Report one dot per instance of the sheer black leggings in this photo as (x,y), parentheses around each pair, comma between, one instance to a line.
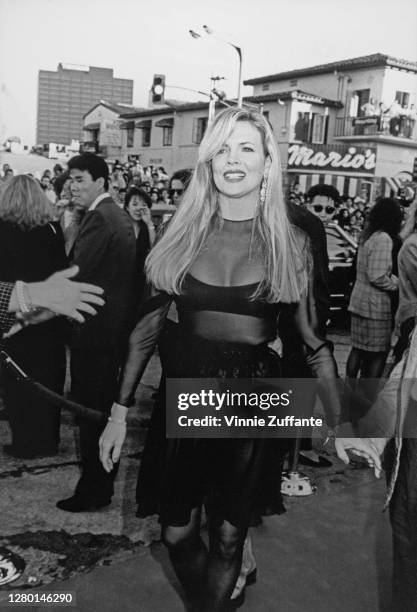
(208,576)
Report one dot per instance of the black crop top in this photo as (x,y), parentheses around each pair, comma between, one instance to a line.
(197,295)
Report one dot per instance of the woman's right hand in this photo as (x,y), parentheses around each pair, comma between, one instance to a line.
(110,444)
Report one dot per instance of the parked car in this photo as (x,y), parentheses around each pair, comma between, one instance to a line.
(341,248)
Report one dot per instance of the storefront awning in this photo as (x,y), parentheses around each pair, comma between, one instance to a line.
(394,184)
(127,125)
(145,124)
(91,127)
(168,122)
(345,184)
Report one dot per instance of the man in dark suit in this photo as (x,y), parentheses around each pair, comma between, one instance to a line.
(105,251)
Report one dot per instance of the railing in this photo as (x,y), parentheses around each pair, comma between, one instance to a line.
(400,127)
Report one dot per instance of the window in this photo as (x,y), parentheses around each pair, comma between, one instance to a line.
(311,127)
(265,87)
(359,98)
(130,136)
(319,129)
(293,83)
(146,137)
(199,128)
(167,136)
(402,97)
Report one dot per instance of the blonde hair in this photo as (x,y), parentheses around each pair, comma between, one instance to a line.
(285,275)
(23,203)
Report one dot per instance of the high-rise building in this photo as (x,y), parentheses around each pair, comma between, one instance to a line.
(66,94)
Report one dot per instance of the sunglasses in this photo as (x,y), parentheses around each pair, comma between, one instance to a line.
(319,208)
(176,191)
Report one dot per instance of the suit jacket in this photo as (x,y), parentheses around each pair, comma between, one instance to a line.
(105,251)
(374,279)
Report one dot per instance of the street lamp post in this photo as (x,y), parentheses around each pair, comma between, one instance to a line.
(238,50)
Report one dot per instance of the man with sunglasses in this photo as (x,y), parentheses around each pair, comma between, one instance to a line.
(323,200)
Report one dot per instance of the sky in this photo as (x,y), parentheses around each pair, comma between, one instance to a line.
(140,38)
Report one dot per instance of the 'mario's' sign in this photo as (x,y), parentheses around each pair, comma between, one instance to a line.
(328,157)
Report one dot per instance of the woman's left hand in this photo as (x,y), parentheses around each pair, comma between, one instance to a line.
(110,444)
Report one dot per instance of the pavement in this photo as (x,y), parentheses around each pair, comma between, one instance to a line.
(330,552)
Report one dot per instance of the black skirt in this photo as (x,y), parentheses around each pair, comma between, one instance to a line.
(236,479)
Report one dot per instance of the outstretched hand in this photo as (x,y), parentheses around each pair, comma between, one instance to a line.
(364,447)
(63,296)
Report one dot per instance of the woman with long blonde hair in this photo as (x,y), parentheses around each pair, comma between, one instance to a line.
(31,248)
(231,261)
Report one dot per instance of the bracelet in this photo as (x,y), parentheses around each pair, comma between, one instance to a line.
(20,295)
(117,421)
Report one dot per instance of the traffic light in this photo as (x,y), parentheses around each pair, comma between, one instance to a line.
(158,89)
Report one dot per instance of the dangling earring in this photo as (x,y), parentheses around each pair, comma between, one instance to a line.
(264,185)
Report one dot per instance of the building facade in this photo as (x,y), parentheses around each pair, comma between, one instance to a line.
(101,129)
(351,124)
(366,145)
(66,94)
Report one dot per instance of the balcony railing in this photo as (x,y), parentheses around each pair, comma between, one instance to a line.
(400,127)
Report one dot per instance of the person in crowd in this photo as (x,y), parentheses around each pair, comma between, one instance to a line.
(322,200)
(178,183)
(394,113)
(145,186)
(58,170)
(356,224)
(370,302)
(67,213)
(105,251)
(32,247)
(407,285)
(155,178)
(154,195)
(369,109)
(343,219)
(138,206)
(163,173)
(135,181)
(48,188)
(117,180)
(164,197)
(54,296)
(230,259)
(295,364)
(5,168)
(390,425)
(8,174)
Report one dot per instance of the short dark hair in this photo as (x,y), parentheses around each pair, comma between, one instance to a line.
(135,191)
(93,164)
(328,191)
(183,175)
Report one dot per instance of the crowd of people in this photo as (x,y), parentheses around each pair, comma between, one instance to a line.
(231,284)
